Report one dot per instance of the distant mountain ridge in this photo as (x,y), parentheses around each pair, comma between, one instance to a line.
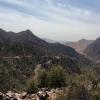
(21,37)
(28,42)
(80,45)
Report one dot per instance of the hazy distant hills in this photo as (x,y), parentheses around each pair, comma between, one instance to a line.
(49,40)
(93,50)
(80,45)
(89,48)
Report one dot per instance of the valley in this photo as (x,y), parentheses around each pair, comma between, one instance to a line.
(30,64)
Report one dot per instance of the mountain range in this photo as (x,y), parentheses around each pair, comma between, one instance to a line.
(21,52)
(25,42)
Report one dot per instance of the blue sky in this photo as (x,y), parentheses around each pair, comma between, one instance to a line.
(61,20)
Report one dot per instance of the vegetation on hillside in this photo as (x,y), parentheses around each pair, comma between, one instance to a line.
(73,86)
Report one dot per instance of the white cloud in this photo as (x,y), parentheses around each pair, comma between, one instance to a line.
(68,23)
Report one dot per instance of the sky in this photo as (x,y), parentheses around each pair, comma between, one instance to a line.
(60,20)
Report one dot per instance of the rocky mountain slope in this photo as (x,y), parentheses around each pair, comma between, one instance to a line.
(80,45)
(93,50)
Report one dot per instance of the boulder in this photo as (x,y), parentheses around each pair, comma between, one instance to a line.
(1,96)
(23,95)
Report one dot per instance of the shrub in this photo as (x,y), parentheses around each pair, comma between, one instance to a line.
(57,77)
(32,87)
(54,78)
(43,79)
